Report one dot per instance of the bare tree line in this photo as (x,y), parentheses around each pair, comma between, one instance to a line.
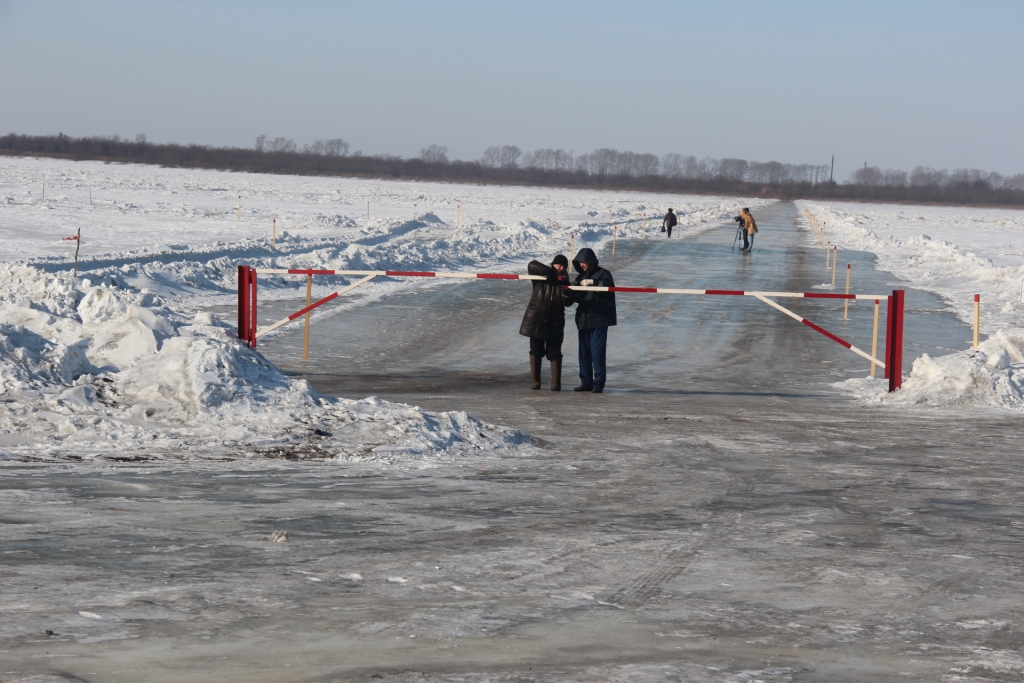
(922,176)
(605,169)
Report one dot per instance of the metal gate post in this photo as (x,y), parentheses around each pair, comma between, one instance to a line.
(896,352)
(243,302)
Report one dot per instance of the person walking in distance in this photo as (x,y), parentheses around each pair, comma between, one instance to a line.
(749,230)
(668,222)
(595,313)
(544,320)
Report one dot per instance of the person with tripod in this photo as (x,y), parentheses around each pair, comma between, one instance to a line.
(749,228)
(668,222)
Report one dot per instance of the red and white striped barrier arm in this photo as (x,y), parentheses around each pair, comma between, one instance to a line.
(329,297)
(513,276)
(822,330)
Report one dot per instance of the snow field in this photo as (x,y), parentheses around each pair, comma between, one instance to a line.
(122,361)
(955,253)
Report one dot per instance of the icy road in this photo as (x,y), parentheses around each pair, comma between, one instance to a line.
(723,513)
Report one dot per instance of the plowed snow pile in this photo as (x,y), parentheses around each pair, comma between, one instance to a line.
(955,253)
(92,370)
(991,375)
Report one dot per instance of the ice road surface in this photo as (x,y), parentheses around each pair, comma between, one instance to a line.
(955,252)
(124,362)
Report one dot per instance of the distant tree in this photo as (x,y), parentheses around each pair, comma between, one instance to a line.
(733,169)
(280,144)
(140,139)
(317,147)
(261,141)
(506,156)
(435,154)
(336,147)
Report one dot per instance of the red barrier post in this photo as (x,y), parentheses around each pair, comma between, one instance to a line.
(243,302)
(894,361)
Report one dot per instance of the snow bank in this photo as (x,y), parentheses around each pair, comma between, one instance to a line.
(991,375)
(102,371)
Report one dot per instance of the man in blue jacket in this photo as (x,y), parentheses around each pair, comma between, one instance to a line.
(595,313)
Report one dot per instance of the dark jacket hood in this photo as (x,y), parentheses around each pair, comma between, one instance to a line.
(585,255)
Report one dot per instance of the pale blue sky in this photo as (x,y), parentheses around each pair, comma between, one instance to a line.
(894,84)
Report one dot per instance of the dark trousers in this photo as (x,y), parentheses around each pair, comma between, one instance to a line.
(550,346)
(670,231)
(593,344)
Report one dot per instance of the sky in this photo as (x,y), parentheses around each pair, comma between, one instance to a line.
(891,84)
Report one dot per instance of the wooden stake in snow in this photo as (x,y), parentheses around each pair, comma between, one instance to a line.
(615,238)
(309,299)
(77,239)
(239,208)
(458,218)
(874,340)
(977,317)
(44,188)
(273,239)
(834,257)
(367,210)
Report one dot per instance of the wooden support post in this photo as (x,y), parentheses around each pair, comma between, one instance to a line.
(309,299)
(846,302)
(572,248)
(239,208)
(367,210)
(874,339)
(78,245)
(615,238)
(835,256)
(273,238)
(458,217)
(828,255)
(977,318)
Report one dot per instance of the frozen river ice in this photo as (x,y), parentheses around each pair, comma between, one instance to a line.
(723,513)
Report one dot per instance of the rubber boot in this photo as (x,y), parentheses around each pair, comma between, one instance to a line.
(535,372)
(556,374)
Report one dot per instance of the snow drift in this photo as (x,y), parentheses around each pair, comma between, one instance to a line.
(98,370)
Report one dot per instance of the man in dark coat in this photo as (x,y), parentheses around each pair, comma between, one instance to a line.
(544,320)
(595,313)
(669,222)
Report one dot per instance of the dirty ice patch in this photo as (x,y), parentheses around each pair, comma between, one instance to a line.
(104,372)
(990,376)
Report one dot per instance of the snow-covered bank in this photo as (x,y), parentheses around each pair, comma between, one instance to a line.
(122,361)
(98,371)
(956,253)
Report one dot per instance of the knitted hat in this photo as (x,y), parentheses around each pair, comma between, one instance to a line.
(560,259)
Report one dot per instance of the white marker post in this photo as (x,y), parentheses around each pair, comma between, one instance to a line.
(239,208)
(273,239)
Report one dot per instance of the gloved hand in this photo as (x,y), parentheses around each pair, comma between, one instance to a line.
(587,283)
(552,278)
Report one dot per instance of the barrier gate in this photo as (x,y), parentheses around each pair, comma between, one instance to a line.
(892,365)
